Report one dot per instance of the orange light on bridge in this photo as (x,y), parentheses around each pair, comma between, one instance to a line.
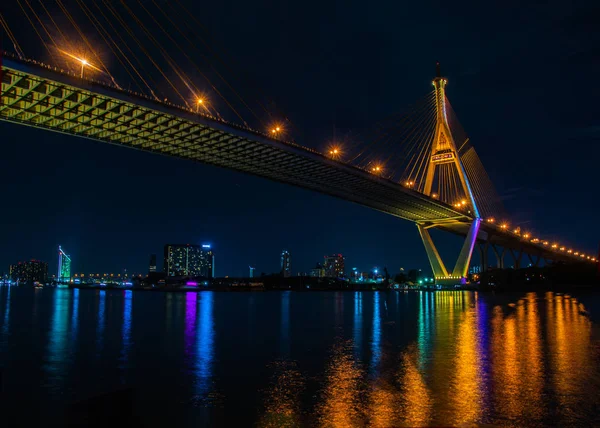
(335,152)
(376,169)
(504,226)
(576,253)
(200,102)
(434,195)
(491,220)
(526,236)
(84,62)
(546,243)
(554,246)
(562,248)
(569,251)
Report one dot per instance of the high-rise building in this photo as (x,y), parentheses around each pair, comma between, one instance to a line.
(317,271)
(334,266)
(152,267)
(286,264)
(64,266)
(252,269)
(29,272)
(189,260)
(207,265)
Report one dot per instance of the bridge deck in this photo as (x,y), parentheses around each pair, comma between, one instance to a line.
(43,97)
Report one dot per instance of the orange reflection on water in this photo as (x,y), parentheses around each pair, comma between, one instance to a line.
(569,339)
(415,402)
(340,402)
(466,382)
(282,398)
(517,360)
(475,359)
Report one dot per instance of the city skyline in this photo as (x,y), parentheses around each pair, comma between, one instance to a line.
(332,266)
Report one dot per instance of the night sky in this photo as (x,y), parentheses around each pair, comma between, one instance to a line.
(522,79)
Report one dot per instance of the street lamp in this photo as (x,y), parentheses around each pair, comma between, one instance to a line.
(83,64)
(199,103)
(335,152)
(275,131)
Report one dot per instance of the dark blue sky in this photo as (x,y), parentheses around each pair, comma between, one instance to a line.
(521,79)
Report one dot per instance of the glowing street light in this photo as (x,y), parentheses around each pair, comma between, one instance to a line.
(376,169)
(199,103)
(84,62)
(276,130)
(335,152)
(504,226)
(434,195)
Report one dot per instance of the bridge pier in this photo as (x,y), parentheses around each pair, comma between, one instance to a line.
(483,255)
(537,260)
(499,257)
(461,268)
(517,259)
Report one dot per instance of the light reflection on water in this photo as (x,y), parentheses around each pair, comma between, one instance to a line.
(313,359)
(101,296)
(204,344)
(56,363)
(126,329)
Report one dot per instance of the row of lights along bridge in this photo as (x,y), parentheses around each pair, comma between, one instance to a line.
(335,153)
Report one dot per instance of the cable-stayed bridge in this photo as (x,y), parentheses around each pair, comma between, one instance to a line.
(419,166)
(42,97)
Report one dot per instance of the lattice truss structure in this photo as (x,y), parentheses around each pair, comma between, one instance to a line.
(44,98)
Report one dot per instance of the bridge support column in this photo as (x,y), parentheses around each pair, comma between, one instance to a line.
(437,265)
(517,259)
(499,257)
(537,260)
(483,255)
(461,268)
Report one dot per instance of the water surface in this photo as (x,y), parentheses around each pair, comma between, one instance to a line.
(301,359)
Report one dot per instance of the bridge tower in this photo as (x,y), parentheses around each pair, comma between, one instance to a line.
(444,151)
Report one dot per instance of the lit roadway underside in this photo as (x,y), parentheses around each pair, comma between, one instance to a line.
(42,97)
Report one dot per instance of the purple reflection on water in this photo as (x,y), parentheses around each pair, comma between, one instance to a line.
(204,342)
(126,331)
(190,322)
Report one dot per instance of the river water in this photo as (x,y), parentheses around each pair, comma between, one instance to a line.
(299,358)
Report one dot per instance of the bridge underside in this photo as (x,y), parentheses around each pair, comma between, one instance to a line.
(47,98)
(44,98)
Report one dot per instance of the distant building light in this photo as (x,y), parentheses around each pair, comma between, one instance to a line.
(205,246)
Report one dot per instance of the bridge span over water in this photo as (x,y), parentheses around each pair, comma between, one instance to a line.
(39,96)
